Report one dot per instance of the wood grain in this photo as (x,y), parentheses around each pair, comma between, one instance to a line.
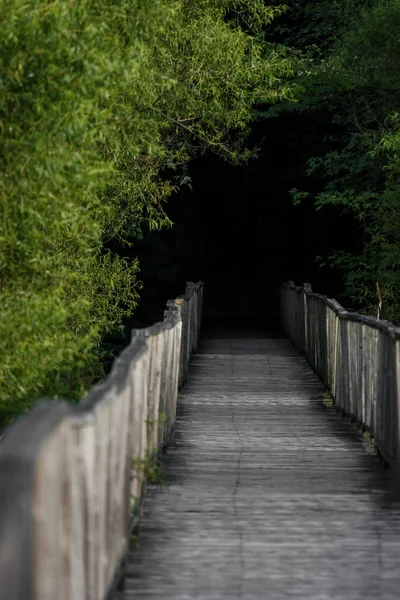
(72,477)
(268,493)
(357,358)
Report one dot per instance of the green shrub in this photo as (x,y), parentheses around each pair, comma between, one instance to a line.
(97,99)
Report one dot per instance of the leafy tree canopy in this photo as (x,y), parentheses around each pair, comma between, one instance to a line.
(348,63)
(98,100)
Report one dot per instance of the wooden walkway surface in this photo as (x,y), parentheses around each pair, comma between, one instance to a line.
(268,493)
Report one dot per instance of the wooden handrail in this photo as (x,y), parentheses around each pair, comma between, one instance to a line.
(72,476)
(358,358)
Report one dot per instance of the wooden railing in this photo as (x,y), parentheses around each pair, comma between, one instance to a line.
(71,478)
(358,358)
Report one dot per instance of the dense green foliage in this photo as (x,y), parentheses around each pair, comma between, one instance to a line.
(98,101)
(102,106)
(349,65)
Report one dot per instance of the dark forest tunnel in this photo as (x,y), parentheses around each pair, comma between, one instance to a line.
(237,229)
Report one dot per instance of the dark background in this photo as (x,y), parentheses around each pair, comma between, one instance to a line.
(238,230)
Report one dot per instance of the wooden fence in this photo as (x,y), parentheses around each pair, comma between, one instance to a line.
(72,477)
(358,358)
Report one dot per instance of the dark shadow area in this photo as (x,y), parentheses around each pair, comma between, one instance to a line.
(242,327)
(237,229)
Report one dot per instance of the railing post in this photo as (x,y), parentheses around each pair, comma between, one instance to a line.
(358,358)
(306,290)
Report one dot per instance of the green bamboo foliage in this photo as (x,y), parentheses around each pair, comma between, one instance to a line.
(97,100)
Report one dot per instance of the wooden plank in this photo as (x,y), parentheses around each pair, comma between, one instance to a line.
(162,413)
(21,446)
(77,524)
(117,517)
(85,431)
(138,440)
(267,493)
(101,498)
(71,475)
(52,513)
(154,388)
(177,334)
(364,383)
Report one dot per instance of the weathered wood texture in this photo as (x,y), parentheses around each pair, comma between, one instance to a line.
(268,493)
(357,357)
(70,477)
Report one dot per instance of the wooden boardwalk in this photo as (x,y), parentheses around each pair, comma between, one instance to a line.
(268,493)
